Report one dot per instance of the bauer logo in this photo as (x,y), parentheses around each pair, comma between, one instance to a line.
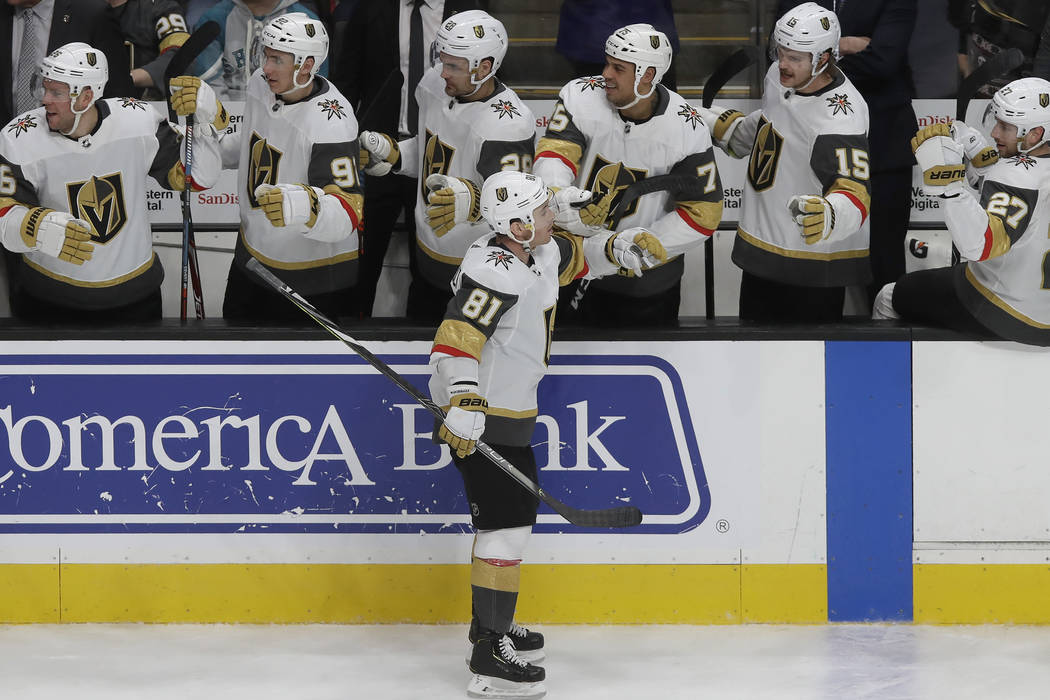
(320,443)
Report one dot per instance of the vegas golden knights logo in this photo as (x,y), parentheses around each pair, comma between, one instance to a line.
(310,31)
(825,23)
(92,59)
(765,154)
(264,160)
(1044,100)
(437,158)
(479,31)
(654,41)
(100,202)
(501,194)
(609,180)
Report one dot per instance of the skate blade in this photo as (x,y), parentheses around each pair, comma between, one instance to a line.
(532,657)
(489,687)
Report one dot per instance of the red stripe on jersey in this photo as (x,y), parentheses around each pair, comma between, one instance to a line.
(552,154)
(692,224)
(584,271)
(987,244)
(349,210)
(455,352)
(856,202)
(195,186)
(6,209)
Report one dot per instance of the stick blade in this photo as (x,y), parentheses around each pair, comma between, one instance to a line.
(996,66)
(185,55)
(736,62)
(619,517)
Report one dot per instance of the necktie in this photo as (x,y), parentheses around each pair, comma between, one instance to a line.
(415,65)
(28,64)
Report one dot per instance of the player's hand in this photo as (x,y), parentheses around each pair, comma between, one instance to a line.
(289,205)
(721,122)
(191,95)
(814,216)
(378,153)
(940,159)
(568,203)
(57,234)
(978,151)
(634,250)
(451,201)
(465,421)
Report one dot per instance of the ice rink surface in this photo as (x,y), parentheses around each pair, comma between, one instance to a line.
(415,662)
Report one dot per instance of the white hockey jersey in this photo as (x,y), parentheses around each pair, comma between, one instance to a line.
(469,140)
(1006,286)
(102,179)
(803,144)
(588,144)
(312,142)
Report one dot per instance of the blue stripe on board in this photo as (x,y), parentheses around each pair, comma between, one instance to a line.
(869,480)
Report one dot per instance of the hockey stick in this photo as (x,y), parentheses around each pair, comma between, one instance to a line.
(736,62)
(389,92)
(184,56)
(622,516)
(998,65)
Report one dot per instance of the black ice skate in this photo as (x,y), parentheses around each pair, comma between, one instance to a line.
(500,673)
(527,643)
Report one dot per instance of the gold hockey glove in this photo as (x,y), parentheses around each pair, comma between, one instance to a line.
(290,205)
(191,95)
(57,234)
(451,201)
(465,421)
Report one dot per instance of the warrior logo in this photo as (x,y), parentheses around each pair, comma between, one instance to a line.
(437,158)
(310,31)
(22,125)
(479,31)
(654,41)
(825,23)
(501,194)
(100,202)
(839,104)
(1044,99)
(594,82)
(500,258)
(762,167)
(505,109)
(262,169)
(132,103)
(609,180)
(332,108)
(689,113)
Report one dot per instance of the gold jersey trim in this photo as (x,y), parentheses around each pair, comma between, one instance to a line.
(566,149)
(93,285)
(577,263)
(854,188)
(447,259)
(281,265)
(994,299)
(801,254)
(1000,239)
(462,336)
(706,215)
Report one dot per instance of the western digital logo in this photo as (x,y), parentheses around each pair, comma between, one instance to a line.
(315,443)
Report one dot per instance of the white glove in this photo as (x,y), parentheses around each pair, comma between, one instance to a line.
(940,159)
(814,216)
(290,205)
(377,154)
(465,421)
(721,122)
(567,204)
(451,201)
(57,234)
(976,147)
(191,95)
(635,249)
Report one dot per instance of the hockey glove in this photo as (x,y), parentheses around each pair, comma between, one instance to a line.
(978,151)
(721,122)
(568,203)
(57,234)
(814,216)
(635,250)
(378,153)
(191,95)
(940,159)
(290,205)
(465,421)
(452,200)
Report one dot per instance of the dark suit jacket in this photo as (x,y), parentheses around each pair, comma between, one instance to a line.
(90,21)
(371,51)
(881,72)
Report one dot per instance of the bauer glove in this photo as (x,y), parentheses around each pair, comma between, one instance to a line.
(191,95)
(451,201)
(568,204)
(57,234)
(975,146)
(378,153)
(634,250)
(814,216)
(940,159)
(465,421)
(721,122)
(290,205)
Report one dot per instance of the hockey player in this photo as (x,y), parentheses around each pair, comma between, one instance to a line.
(803,234)
(471,125)
(1002,288)
(153,29)
(489,354)
(610,131)
(300,202)
(79,165)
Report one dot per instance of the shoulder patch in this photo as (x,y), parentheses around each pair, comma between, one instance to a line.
(499,258)
(505,108)
(332,108)
(593,82)
(691,116)
(22,125)
(1024,159)
(132,103)
(839,104)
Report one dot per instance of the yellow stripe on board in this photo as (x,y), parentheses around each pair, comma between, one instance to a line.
(981,594)
(417,593)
